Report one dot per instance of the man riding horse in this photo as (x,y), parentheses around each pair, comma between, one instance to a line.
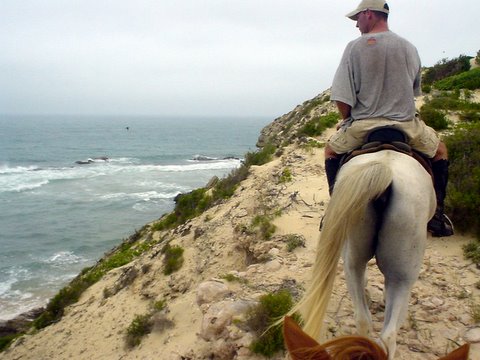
(374,86)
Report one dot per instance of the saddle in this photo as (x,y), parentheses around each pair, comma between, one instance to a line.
(389,138)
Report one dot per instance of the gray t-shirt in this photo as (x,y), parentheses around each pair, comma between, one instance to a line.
(379,76)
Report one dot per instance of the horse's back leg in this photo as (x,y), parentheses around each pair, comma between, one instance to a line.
(399,256)
(358,251)
(397,295)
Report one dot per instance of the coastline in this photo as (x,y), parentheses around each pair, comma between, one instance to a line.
(59,217)
(216,244)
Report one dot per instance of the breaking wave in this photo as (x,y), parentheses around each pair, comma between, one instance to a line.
(28,178)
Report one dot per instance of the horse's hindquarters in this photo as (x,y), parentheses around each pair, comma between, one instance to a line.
(397,236)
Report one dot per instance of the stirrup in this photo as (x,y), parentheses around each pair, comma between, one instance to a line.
(440,225)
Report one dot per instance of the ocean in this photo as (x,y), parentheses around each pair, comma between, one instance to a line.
(73,187)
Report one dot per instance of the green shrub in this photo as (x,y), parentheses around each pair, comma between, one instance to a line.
(309,105)
(474,311)
(70,294)
(6,340)
(470,116)
(141,325)
(444,101)
(260,319)
(467,80)
(312,144)
(233,278)
(433,117)
(65,297)
(173,259)
(426,88)
(463,195)
(472,251)
(451,101)
(294,241)
(159,305)
(230,277)
(445,68)
(191,204)
(432,113)
(467,94)
(318,125)
(260,157)
(196,202)
(166,222)
(263,224)
(226,187)
(286,176)
(187,206)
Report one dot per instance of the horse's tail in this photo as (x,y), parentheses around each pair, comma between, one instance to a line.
(356,187)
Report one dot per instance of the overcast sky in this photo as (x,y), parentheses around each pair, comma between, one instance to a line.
(197,57)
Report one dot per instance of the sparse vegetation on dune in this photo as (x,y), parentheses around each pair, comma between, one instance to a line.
(142,325)
(262,317)
(196,202)
(447,95)
(456,83)
(445,68)
(123,254)
(463,199)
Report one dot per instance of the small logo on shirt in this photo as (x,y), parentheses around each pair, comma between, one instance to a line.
(371,41)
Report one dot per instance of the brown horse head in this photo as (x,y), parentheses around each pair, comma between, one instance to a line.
(303,347)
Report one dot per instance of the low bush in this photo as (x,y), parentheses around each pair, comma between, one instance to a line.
(426,88)
(463,195)
(167,221)
(445,68)
(71,293)
(318,125)
(433,117)
(262,224)
(260,157)
(452,101)
(192,204)
(472,251)
(187,206)
(261,318)
(285,176)
(294,241)
(474,311)
(466,80)
(312,144)
(65,297)
(470,116)
(141,325)
(233,278)
(226,187)
(6,340)
(308,106)
(173,259)
(159,305)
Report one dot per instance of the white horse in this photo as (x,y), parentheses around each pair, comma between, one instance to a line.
(379,208)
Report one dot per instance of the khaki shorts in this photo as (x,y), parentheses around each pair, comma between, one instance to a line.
(353,135)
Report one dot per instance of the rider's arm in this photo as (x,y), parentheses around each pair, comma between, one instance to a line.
(344,109)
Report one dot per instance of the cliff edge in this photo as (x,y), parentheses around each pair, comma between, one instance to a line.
(229,263)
